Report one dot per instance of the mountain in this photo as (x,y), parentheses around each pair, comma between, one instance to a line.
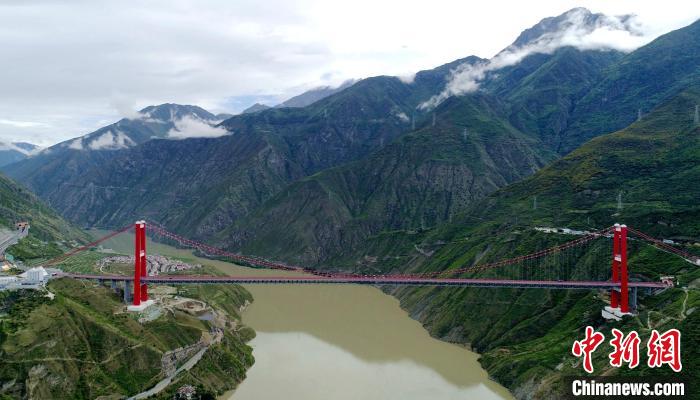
(151,122)
(79,344)
(165,120)
(205,184)
(254,108)
(311,96)
(367,180)
(19,204)
(223,116)
(333,213)
(49,233)
(543,90)
(556,67)
(636,84)
(57,164)
(421,179)
(524,335)
(566,88)
(13,152)
(208,187)
(579,19)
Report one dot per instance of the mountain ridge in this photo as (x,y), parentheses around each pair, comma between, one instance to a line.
(15,151)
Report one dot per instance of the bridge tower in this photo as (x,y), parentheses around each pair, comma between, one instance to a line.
(619,297)
(140,299)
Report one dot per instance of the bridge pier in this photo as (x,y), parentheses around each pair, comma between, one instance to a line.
(127,292)
(633,299)
(113,285)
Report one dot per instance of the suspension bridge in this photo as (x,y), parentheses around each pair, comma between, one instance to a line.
(549,268)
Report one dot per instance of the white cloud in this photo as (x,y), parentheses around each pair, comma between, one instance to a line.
(190,127)
(125,106)
(402,116)
(407,78)
(76,144)
(111,141)
(22,124)
(110,58)
(12,146)
(613,33)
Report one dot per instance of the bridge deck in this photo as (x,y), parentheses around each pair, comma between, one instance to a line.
(370,280)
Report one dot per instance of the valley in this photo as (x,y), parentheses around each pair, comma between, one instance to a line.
(300,329)
(435,192)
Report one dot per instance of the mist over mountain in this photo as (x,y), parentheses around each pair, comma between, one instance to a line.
(13,152)
(578,28)
(576,22)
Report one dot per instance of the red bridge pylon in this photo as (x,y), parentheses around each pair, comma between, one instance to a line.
(619,297)
(140,300)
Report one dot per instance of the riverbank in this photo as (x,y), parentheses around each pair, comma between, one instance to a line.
(352,341)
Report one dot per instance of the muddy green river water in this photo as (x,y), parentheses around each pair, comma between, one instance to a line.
(323,342)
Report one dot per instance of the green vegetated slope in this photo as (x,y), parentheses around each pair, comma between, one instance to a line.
(82,345)
(543,90)
(525,335)
(49,233)
(419,180)
(19,204)
(411,185)
(638,82)
(204,185)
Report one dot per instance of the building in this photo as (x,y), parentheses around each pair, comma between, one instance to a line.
(35,275)
(7,280)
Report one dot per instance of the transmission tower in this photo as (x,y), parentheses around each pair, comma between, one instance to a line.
(696,120)
(619,200)
(534,203)
(433,119)
(639,114)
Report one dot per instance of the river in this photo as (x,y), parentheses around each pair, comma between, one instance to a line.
(320,342)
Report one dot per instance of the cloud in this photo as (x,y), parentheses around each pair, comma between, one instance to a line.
(191,127)
(125,106)
(401,116)
(76,144)
(107,59)
(608,33)
(111,141)
(23,124)
(407,78)
(12,146)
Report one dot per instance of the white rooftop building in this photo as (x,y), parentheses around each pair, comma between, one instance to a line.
(35,275)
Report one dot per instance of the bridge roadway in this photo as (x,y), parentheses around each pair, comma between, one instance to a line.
(370,280)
